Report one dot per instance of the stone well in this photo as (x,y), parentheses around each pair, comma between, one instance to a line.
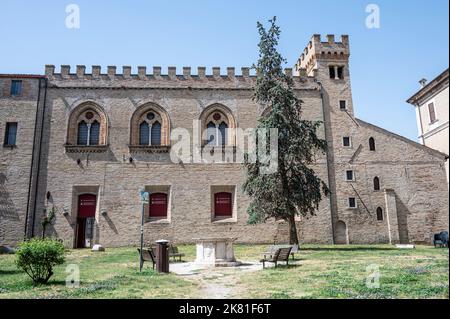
(216,252)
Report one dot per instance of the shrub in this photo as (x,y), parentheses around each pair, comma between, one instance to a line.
(38,256)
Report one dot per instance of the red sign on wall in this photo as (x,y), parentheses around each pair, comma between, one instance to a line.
(158,205)
(86,205)
(223,204)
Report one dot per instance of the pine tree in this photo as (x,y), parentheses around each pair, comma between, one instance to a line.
(294,189)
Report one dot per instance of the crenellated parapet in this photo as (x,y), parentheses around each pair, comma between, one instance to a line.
(329,50)
(142,77)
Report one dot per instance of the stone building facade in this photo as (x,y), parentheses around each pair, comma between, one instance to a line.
(100,138)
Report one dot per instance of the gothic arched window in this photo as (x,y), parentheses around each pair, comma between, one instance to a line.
(150,129)
(150,126)
(217,126)
(87,126)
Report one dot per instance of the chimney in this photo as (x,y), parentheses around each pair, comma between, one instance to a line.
(423,82)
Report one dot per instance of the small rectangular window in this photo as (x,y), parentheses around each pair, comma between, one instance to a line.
(10,134)
(352,202)
(342,105)
(332,72)
(432,112)
(340,72)
(346,141)
(350,176)
(16,87)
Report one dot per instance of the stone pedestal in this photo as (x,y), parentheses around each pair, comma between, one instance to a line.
(216,252)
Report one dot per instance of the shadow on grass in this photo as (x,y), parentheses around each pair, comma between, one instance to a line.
(10,272)
(282,267)
(343,248)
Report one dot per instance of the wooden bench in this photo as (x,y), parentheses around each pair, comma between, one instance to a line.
(173,252)
(272,249)
(281,254)
(148,255)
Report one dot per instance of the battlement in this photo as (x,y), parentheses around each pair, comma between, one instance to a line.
(111,78)
(330,50)
(142,72)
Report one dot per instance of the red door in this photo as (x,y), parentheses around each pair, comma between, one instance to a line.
(223,204)
(87,204)
(158,205)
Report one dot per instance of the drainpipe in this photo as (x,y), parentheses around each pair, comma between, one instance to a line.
(422,139)
(32,158)
(39,157)
(328,163)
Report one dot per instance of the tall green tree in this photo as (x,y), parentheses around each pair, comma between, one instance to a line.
(294,189)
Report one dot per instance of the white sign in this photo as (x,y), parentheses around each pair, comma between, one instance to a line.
(144,197)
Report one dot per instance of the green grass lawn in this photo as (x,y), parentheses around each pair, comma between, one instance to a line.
(321,272)
(340,272)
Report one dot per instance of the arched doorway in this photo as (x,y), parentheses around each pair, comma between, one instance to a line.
(341,233)
(87,204)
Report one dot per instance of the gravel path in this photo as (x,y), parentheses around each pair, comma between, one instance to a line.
(216,283)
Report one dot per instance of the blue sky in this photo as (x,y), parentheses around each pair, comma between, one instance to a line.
(386,63)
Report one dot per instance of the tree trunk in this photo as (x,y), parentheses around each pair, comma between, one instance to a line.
(293,238)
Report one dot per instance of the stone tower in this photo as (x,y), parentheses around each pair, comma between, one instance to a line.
(328,63)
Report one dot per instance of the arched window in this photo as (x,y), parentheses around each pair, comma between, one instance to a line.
(376,184)
(150,126)
(150,130)
(217,126)
(372,144)
(88,130)
(87,126)
(380,216)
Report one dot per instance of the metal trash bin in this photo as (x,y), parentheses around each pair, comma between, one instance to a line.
(162,256)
